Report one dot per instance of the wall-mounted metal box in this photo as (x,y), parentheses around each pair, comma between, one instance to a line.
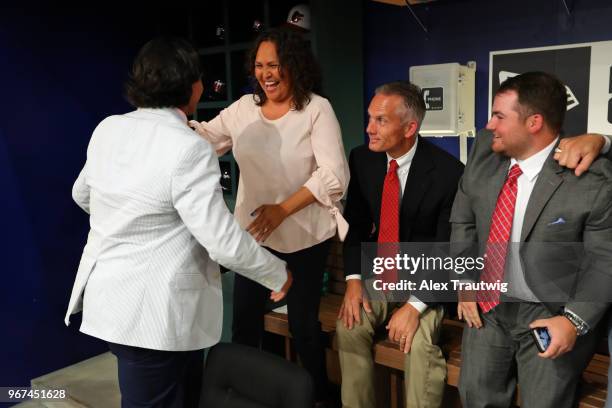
(448,90)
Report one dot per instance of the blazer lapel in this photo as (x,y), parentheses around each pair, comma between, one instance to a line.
(417,183)
(547,183)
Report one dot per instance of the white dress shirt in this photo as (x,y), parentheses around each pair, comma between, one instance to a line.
(149,276)
(404,162)
(514,275)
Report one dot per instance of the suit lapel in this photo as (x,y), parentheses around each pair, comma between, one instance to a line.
(417,183)
(547,183)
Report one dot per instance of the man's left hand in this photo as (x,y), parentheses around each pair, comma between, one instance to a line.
(269,217)
(562,335)
(403,325)
(579,152)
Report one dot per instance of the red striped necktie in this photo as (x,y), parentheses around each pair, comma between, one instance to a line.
(499,236)
(388,235)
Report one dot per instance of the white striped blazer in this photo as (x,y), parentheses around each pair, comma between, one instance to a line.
(148,276)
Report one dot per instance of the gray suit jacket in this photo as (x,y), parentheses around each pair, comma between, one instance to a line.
(556,275)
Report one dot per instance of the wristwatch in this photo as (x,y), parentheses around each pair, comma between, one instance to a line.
(581,326)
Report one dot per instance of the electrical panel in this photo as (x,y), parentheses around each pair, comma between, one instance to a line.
(448,90)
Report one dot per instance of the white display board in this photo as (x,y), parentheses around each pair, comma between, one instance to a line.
(585,69)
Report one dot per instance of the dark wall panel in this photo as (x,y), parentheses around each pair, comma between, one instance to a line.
(61,72)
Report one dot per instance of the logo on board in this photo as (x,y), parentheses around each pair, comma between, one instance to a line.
(434,98)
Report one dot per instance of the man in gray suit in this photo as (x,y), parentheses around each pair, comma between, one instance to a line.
(512,190)
(578,153)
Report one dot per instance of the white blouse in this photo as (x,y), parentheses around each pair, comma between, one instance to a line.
(276,158)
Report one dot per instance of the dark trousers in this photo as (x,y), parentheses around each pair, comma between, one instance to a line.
(303,301)
(160,379)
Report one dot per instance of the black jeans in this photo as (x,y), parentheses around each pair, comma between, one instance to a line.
(307,267)
(160,379)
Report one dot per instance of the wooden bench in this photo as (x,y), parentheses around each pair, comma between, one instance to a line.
(593,389)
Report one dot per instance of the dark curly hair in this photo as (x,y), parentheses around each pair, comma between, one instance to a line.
(296,60)
(163,73)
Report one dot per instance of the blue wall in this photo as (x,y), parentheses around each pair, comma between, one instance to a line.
(61,72)
(460,31)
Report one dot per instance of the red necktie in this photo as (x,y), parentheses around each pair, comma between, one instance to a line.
(389,219)
(499,236)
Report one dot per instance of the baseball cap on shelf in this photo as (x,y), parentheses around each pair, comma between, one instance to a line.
(299,16)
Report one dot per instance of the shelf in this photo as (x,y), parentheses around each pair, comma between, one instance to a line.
(214,104)
(246,21)
(214,77)
(223,48)
(241,84)
(230,174)
(209,24)
(224,32)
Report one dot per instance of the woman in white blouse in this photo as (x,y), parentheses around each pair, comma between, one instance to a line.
(293,171)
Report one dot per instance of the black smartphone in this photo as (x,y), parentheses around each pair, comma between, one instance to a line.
(541,337)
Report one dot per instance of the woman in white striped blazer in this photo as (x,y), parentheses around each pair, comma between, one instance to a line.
(148,282)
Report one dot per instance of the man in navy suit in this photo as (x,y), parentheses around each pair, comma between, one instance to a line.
(427,178)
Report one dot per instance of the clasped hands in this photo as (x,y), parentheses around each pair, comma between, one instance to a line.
(403,323)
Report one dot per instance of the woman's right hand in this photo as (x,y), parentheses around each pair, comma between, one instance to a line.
(197,126)
(269,217)
(280,295)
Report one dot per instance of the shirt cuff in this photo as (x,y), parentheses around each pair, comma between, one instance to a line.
(417,304)
(607,142)
(355,276)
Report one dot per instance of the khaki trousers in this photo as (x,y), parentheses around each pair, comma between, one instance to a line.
(424,365)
